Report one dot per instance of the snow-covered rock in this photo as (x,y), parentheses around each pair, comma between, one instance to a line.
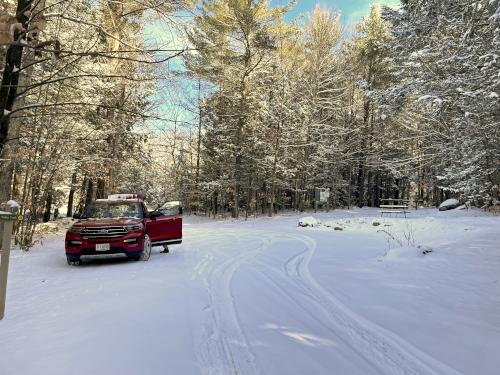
(449,204)
(12,204)
(9,207)
(334,224)
(309,221)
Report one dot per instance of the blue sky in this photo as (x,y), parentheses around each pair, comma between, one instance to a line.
(160,34)
(351,10)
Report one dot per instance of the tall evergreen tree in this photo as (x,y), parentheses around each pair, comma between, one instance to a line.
(449,85)
(233,40)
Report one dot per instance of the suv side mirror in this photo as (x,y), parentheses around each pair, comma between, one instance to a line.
(77,216)
(180,210)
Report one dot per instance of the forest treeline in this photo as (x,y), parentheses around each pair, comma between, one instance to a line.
(404,106)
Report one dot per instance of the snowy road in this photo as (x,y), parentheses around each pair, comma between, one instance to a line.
(267,297)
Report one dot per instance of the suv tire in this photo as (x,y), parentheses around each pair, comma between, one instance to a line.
(146,248)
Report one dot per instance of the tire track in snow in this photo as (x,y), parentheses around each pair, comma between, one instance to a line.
(224,347)
(385,350)
(297,301)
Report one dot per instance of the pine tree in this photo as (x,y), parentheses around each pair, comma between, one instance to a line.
(233,39)
(449,84)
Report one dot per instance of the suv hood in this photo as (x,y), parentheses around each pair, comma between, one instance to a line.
(107,222)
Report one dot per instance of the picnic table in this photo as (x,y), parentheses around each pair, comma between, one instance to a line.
(394,206)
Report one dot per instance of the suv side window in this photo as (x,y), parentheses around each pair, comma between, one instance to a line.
(171,208)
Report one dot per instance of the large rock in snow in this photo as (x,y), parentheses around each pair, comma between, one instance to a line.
(309,221)
(449,204)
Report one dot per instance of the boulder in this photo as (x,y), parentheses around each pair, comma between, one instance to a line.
(309,221)
(449,204)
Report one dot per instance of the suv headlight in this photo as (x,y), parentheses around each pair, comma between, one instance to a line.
(131,228)
(75,229)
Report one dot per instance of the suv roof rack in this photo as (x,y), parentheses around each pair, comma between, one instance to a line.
(120,197)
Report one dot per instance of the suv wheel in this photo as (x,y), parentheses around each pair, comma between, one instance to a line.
(146,248)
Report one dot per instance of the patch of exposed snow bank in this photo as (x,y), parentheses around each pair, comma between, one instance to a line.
(407,252)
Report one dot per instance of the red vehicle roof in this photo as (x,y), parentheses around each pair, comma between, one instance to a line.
(123,197)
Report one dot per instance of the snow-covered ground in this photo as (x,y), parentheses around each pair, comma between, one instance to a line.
(354,295)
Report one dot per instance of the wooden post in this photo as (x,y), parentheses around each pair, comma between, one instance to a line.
(5,234)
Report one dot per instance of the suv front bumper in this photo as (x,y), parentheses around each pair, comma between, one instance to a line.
(129,245)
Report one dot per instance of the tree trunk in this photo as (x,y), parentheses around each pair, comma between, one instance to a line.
(373,188)
(69,212)
(363,155)
(237,185)
(215,203)
(238,157)
(101,189)
(273,175)
(48,207)
(360,193)
(11,71)
(6,172)
(198,148)
(89,198)
(255,202)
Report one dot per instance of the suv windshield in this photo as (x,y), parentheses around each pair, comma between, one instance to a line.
(102,210)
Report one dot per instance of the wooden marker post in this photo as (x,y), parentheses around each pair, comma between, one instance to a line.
(7,216)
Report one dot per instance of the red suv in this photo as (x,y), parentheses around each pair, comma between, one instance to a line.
(122,226)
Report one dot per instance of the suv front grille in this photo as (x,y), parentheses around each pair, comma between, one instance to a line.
(103,232)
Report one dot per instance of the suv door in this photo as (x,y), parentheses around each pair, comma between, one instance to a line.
(164,225)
